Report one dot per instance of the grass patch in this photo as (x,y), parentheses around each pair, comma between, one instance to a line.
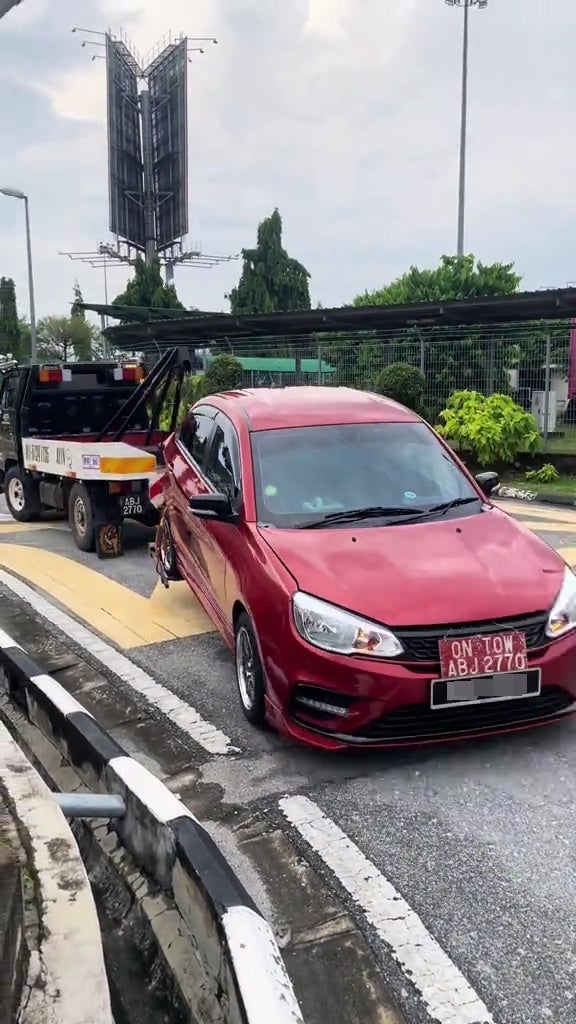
(564,484)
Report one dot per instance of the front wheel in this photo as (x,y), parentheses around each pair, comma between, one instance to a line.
(249,672)
(81,517)
(166,552)
(22,495)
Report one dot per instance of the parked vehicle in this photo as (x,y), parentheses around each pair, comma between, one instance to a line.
(372,593)
(82,439)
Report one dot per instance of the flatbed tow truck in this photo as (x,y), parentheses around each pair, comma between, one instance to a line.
(83,440)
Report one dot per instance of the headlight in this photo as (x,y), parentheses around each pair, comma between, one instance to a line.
(333,629)
(562,618)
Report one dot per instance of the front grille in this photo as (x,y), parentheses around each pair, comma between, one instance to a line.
(422,644)
(420,722)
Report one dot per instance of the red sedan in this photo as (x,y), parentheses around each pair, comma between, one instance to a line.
(370,591)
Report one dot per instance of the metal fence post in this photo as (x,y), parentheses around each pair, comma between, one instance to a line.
(320,373)
(547,386)
(422,353)
(491,367)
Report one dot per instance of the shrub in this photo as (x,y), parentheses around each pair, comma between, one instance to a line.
(223,374)
(494,429)
(402,382)
(192,390)
(547,474)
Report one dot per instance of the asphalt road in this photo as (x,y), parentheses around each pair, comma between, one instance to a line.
(478,839)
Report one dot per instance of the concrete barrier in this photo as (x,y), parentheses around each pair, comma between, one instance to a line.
(64,911)
(13,950)
(236,944)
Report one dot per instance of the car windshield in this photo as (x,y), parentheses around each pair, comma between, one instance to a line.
(307,474)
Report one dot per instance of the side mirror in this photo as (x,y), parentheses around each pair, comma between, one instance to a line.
(488,482)
(213,506)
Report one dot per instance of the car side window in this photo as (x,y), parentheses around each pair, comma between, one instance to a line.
(194,436)
(223,464)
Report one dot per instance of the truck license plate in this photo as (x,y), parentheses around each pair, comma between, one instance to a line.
(132,506)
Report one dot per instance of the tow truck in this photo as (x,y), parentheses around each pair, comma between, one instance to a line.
(83,440)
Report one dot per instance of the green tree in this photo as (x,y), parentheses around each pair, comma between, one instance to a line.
(10,332)
(147,289)
(224,373)
(64,338)
(457,277)
(460,358)
(271,281)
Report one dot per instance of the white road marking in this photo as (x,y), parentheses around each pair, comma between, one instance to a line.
(447,996)
(181,714)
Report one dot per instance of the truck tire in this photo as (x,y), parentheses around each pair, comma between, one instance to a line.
(22,495)
(81,517)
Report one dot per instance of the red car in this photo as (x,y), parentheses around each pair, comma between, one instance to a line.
(370,591)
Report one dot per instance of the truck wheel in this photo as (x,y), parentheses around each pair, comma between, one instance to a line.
(22,495)
(81,517)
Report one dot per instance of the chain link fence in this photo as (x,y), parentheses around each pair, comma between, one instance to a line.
(523,360)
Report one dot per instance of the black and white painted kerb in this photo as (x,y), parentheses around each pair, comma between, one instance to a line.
(168,842)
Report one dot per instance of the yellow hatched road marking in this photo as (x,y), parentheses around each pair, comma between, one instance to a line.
(553,516)
(568,554)
(27,527)
(112,609)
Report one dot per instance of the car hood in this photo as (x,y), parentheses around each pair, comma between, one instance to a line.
(470,568)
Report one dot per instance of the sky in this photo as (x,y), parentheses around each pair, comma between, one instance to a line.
(344,114)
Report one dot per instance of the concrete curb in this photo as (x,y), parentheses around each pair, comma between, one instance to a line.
(520,494)
(168,842)
(53,994)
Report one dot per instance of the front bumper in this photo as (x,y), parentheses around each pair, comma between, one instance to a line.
(387,704)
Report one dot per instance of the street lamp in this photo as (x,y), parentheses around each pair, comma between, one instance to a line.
(466,4)
(15,193)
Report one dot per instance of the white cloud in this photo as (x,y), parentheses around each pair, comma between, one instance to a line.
(343,113)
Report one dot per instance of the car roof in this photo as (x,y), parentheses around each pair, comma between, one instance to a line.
(274,408)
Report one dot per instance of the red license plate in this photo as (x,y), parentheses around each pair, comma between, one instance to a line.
(482,655)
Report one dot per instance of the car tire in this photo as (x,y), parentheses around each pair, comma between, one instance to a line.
(81,518)
(249,672)
(166,552)
(22,495)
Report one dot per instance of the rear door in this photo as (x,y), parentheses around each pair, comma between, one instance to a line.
(222,470)
(188,457)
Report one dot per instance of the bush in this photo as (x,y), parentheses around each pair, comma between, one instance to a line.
(223,374)
(192,390)
(547,474)
(494,429)
(404,383)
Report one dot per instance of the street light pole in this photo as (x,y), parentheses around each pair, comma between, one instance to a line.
(466,4)
(14,193)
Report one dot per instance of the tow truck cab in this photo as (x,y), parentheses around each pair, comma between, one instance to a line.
(74,402)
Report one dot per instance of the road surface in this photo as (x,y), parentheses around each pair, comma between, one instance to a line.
(473,844)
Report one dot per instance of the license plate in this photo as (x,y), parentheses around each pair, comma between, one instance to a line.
(485,689)
(461,657)
(132,506)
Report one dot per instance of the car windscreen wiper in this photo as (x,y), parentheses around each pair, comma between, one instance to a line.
(441,510)
(447,505)
(356,515)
